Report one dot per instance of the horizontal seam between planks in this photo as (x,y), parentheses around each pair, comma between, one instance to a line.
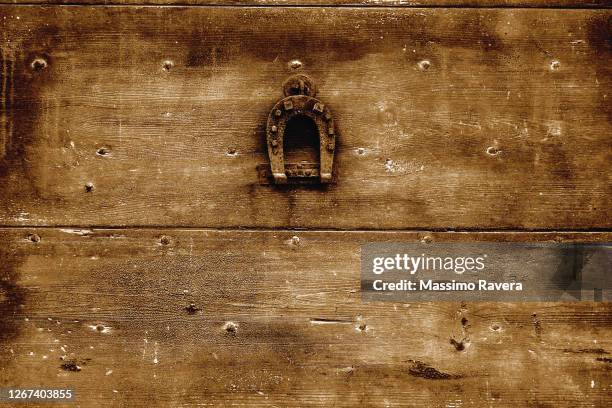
(280,229)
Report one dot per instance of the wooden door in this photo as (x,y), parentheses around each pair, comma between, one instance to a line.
(143,264)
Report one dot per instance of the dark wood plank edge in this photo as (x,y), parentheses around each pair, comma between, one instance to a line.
(448,4)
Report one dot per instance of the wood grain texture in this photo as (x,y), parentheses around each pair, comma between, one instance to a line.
(163,111)
(6,101)
(259,318)
(361,3)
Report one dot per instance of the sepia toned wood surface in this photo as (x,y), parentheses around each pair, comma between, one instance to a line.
(446,118)
(143,264)
(167,317)
(361,3)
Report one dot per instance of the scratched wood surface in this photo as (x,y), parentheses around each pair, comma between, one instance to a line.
(167,317)
(446,118)
(374,3)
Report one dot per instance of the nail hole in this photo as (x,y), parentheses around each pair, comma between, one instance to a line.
(495,327)
(38,64)
(362,327)
(71,365)
(167,65)
(34,238)
(424,65)
(192,308)
(493,151)
(230,328)
(360,151)
(232,152)
(103,151)
(554,65)
(89,187)
(164,240)
(295,240)
(459,346)
(100,328)
(464,321)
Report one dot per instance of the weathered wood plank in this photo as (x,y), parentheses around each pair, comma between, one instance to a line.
(370,3)
(117,304)
(6,100)
(506,126)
